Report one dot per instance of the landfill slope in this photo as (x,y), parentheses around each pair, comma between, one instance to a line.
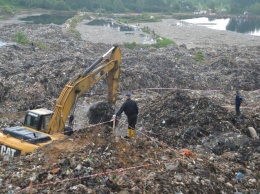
(188,138)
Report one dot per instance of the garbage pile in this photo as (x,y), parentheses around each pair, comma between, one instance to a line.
(182,120)
(100,112)
(192,119)
(188,138)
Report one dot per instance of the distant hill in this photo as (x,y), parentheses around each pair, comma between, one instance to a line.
(120,6)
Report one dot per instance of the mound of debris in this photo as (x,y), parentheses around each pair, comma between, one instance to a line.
(188,140)
(53,57)
(190,117)
(100,112)
(175,156)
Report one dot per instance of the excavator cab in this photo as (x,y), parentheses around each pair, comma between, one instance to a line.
(25,139)
(38,119)
(22,140)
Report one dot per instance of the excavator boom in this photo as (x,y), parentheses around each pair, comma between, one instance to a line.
(75,88)
(42,126)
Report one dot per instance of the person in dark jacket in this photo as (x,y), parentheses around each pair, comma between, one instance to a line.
(130,108)
(238,102)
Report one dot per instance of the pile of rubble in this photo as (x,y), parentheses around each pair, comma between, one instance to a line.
(188,139)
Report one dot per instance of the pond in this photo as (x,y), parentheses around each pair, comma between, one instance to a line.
(112,24)
(58,18)
(2,43)
(132,33)
(240,25)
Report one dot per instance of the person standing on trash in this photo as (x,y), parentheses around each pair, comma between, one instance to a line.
(238,102)
(130,108)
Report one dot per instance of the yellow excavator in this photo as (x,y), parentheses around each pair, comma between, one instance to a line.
(42,126)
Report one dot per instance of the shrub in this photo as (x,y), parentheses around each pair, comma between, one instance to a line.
(21,38)
(199,56)
(75,32)
(162,42)
(41,45)
(132,45)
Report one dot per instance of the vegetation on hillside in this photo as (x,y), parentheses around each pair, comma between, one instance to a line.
(240,6)
(160,41)
(120,6)
(144,17)
(21,38)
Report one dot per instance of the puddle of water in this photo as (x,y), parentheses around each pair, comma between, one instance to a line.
(2,43)
(6,44)
(129,30)
(240,25)
(58,19)
(112,24)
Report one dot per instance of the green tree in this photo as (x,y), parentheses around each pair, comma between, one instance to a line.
(25,3)
(239,6)
(107,5)
(118,6)
(140,4)
(255,9)
(211,5)
(60,5)
(235,6)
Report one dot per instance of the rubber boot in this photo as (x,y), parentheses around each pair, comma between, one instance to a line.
(132,133)
(128,134)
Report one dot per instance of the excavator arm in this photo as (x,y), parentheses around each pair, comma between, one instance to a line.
(74,89)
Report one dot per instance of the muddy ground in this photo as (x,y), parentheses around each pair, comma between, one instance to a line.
(188,138)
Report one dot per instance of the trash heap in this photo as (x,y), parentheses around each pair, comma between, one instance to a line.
(100,112)
(188,138)
(163,158)
(182,116)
